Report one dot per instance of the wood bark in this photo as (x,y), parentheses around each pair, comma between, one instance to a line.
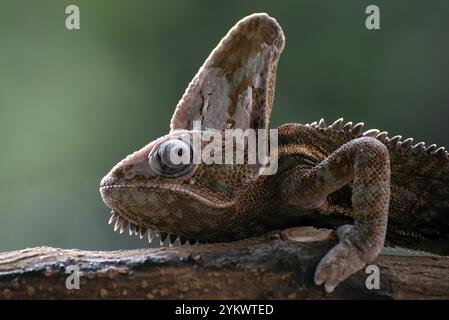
(276,266)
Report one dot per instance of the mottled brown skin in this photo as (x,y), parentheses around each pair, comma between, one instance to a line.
(370,187)
(419,202)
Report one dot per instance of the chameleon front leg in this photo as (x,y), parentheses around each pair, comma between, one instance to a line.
(366,163)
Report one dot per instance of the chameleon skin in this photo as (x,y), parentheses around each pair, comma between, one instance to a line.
(373,189)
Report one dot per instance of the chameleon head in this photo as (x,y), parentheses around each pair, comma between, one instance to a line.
(234,89)
(154,189)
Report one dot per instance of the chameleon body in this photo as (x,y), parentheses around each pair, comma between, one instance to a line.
(372,188)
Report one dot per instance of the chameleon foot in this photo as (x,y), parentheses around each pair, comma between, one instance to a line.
(340,262)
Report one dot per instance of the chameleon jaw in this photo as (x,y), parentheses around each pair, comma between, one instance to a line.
(120,224)
(215,203)
(112,196)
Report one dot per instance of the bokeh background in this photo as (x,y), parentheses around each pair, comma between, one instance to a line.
(73,103)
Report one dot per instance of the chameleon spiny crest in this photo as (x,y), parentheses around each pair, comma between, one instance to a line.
(372,188)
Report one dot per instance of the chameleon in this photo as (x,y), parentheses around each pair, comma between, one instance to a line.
(373,189)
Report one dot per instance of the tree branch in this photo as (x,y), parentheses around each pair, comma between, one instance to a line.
(278,266)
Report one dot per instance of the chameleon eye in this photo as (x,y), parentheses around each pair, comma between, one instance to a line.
(172,158)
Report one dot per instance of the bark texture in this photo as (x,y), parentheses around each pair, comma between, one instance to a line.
(277,266)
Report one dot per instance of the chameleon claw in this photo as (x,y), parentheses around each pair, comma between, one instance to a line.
(318,279)
(329,288)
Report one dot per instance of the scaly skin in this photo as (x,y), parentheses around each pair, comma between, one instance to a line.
(334,176)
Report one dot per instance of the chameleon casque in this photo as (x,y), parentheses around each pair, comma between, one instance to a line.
(337,176)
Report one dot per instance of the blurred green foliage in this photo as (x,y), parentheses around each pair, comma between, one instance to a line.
(73,103)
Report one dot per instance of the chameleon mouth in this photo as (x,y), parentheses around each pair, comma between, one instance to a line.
(165,239)
(208,201)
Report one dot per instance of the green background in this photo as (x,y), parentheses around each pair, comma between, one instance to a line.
(73,103)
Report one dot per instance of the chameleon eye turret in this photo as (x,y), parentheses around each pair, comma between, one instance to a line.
(172,158)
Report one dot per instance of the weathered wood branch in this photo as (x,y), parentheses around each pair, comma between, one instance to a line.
(271,267)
